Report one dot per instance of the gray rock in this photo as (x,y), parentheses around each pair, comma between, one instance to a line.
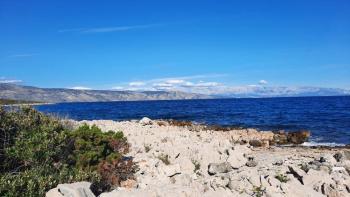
(346,154)
(145,121)
(78,189)
(278,163)
(215,168)
(322,159)
(297,173)
(171,170)
(251,163)
(220,181)
(338,156)
(256,143)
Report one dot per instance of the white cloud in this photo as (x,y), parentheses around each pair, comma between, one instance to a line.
(108,29)
(23,55)
(263,82)
(175,81)
(185,83)
(162,85)
(80,88)
(207,84)
(118,88)
(5,80)
(137,83)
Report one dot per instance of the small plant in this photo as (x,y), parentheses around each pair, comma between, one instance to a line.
(147,147)
(164,159)
(282,178)
(258,191)
(305,167)
(197,165)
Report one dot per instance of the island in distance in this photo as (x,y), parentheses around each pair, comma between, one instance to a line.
(59,95)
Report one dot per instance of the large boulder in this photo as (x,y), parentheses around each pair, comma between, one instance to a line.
(236,158)
(216,168)
(171,170)
(297,137)
(145,121)
(219,181)
(78,189)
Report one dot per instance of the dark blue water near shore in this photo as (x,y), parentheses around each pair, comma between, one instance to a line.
(328,118)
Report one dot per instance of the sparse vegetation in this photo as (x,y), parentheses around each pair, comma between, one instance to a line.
(282,178)
(197,165)
(12,102)
(147,148)
(259,191)
(304,167)
(37,152)
(164,158)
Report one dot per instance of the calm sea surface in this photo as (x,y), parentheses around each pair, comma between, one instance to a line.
(328,118)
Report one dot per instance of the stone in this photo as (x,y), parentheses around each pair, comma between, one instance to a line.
(278,163)
(339,169)
(338,156)
(171,170)
(298,137)
(297,173)
(265,143)
(322,160)
(236,159)
(128,184)
(145,121)
(215,168)
(78,189)
(315,178)
(280,137)
(128,193)
(186,165)
(256,143)
(346,154)
(220,181)
(251,163)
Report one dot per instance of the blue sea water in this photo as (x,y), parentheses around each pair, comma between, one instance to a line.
(328,118)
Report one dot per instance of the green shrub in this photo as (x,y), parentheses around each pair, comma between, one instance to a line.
(164,158)
(38,152)
(282,178)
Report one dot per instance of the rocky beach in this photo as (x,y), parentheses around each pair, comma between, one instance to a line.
(183,159)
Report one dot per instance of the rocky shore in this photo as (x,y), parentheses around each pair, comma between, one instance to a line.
(182,159)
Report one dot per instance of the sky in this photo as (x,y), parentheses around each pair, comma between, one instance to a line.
(161,45)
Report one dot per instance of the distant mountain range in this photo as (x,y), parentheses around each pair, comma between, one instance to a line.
(55,95)
(270,91)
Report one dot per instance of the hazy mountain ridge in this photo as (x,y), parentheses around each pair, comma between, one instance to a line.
(54,95)
(263,91)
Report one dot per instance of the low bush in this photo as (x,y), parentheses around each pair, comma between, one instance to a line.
(37,152)
(282,178)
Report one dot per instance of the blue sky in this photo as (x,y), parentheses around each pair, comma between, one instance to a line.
(166,44)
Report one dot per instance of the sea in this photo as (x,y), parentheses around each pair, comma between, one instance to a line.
(328,118)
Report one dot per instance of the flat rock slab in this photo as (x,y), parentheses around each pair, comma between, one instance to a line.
(78,189)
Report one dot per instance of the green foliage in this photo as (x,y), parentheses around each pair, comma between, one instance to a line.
(259,191)
(12,102)
(197,165)
(164,159)
(38,152)
(282,178)
(147,148)
(93,146)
